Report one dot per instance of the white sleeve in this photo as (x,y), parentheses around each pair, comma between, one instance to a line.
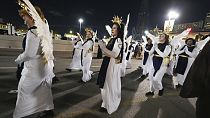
(153,38)
(177,52)
(115,51)
(32,45)
(152,49)
(166,51)
(192,54)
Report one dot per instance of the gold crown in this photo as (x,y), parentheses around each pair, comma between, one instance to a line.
(23,5)
(117,20)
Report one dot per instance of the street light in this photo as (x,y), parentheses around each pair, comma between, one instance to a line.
(70,31)
(80,23)
(172,15)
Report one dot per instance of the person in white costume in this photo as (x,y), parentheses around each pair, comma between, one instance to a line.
(87,54)
(76,56)
(173,44)
(109,79)
(186,56)
(130,54)
(161,52)
(34,89)
(147,57)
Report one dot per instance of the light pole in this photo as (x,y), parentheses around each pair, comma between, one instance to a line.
(80,23)
(171,15)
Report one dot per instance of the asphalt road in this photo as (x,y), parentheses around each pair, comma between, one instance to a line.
(73,99)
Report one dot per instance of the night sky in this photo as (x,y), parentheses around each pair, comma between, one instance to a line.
(63,15)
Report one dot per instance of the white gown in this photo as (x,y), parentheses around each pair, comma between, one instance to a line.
(192,55)
(87,59)
(76,60)
(179,79)
(148,65)
(156,80)
(111,92)
(34,89)
(131,51)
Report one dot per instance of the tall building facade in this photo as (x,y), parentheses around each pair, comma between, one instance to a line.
(142,20)
(207,22)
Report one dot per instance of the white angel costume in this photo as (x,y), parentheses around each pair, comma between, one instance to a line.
(34,89)
(147,57)
(76,56)
(160,63)
(87,54)
(129,55)
(186,57)
(109,76)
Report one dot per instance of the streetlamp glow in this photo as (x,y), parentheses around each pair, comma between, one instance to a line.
(173,14)
(70,31)
(146,32)
(80,23)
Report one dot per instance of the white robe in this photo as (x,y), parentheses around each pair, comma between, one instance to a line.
(86,61)
(131,51)
(123,64)
(156,81)
(111,92)
(76,60)
(148,65)
(34,89)
(192,55)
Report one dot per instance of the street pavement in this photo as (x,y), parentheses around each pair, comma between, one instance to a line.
(74,99)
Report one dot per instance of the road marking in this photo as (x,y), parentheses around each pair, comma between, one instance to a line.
(8,67)
(62,83)
(60,94)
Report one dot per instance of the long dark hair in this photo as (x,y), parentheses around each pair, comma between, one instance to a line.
(120,34)
(120,30)
(166,38)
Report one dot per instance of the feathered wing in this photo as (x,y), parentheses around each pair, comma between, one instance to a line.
(94,39)
(128,41)
(126,27)
(202,43)
(94,36)
(109,29)
(43,31)
(177,40)
(144,40)
(152,37)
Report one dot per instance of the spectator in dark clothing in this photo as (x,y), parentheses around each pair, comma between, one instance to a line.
(197,83)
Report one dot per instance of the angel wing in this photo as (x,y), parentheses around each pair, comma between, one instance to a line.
(94,36)
(202,43)
(79,36)
(128,40)
(144,39)
(152,37)
(43,31)
(177,40)
(126,26)
(109,29)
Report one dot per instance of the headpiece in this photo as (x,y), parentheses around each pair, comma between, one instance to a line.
(117,20)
